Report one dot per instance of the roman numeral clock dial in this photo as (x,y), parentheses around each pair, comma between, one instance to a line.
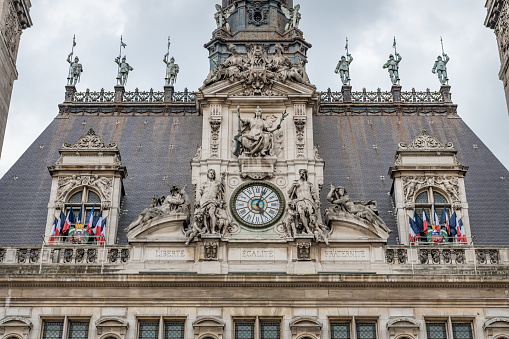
(257,204)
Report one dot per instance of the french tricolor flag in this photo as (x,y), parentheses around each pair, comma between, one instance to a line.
(98,225)
(445,220)
(437,221)
(80,216)
(90,220)
(425,220)
(54,230)
(103,227)
(463,237)
(414,230)
(68,221)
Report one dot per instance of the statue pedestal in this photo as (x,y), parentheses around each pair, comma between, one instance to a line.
(168,93)
(119,93)
(396,93)
(347,93)
(346,227)
(446,93)
(69,93)
(257,167)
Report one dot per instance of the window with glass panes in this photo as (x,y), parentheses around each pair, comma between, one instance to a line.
(462,331)
(244,330)
(270,330)
(86,197)
(78,330)
(340,330)
(366,330)
(148,330)
(426,200)
(52,330)
(174,330)
(436,330)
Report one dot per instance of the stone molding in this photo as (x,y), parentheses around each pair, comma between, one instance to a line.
(4,322)
(393,322)
(490,322)
(446,183)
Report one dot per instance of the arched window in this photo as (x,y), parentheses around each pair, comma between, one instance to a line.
(432,200)
(86,197)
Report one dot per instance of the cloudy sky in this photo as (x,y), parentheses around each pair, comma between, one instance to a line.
(369,24)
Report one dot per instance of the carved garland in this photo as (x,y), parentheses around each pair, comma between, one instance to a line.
(215,124)
(450,185)
(102,184)
(300,125)
(257,15)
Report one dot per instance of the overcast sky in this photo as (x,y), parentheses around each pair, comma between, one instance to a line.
(369,24)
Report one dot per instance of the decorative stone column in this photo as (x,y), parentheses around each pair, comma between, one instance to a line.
(446,93)
(69,93)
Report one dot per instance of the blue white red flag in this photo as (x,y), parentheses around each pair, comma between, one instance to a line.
(425,220)
(463,237)
(80,216)
(90,220)
(103,227)
(68,221)
(414,230)
(98,225)
(54,230)
(445,220)
(437,221)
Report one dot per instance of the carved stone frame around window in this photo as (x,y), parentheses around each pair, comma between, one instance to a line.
(423,164)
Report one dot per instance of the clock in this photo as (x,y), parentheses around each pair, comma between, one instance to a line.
(257,204)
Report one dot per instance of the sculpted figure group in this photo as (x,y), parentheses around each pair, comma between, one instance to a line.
(304,215)
(258,71)
(342,203)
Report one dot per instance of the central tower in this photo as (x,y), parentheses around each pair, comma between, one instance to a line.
(245,22)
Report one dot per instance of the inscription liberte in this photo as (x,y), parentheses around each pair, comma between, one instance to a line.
(171,253)
(345,254)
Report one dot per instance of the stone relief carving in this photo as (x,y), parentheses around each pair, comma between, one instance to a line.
(210,215)
(257,15)
(448,184)
(303,214)
(257,135)
(304,251)
(211,250)
(102,184)
(502,29)
(12,29)
(177,203)
(342,203)
(90,141)
(215,125)
(425,142)
(300,124)
(258,72)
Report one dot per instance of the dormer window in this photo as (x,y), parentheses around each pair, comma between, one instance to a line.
(86,198)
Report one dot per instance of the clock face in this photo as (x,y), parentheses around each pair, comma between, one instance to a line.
(257,204)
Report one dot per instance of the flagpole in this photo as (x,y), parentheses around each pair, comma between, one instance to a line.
(394,45)
(346,47)
(71,55)
(442,42)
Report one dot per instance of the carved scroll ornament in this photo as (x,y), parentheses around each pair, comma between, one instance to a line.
(103,185)
(448,184)
(90,141)
(425,142)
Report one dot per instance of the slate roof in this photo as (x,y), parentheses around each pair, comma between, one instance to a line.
(345,142)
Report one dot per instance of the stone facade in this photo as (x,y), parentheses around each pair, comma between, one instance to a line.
(268,244)
(14,18)
(498,20)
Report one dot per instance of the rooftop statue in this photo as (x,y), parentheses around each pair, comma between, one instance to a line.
(172,69)
(293,15)
(222,15)
(123,67)
(210,209)
(256,136)
(392,65)
(175,203)
(342,203)
(343,67)
(304,210)
(440,67)
(75,68)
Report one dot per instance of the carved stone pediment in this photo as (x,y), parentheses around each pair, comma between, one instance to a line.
(168,228)
(102,185)
(498,322)
(346,227)
(426,142)
(209,322)
(307,322)
(90,141)
(403,322)
(18,326)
